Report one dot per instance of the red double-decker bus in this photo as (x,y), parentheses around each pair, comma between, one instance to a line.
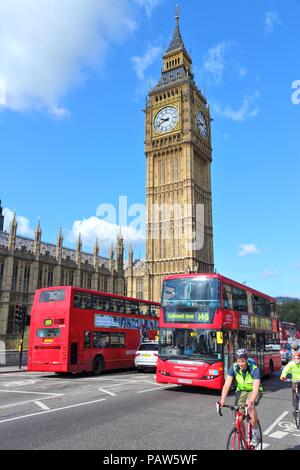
(204,319)
(288,331)
(79,330)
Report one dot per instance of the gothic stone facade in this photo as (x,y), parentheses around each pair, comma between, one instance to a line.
(27,265)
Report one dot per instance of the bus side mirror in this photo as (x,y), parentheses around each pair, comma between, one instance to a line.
(220,337)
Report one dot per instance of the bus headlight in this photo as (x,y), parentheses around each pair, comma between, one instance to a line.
(162,372)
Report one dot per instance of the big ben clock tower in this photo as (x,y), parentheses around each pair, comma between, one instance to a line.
(178,166)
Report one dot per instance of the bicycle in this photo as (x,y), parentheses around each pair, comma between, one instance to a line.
(237,440)
(296,412)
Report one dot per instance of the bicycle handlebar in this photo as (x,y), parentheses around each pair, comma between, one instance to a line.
(291,380)
(218,406)
(232,408)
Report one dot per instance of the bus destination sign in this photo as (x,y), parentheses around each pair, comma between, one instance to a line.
(187,317)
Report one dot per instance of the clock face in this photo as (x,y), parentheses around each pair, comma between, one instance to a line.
(202,124)
(166,119)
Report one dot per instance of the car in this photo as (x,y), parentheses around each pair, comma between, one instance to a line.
(146,356)
(286,352)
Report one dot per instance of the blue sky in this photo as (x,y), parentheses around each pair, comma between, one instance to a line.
(73,82)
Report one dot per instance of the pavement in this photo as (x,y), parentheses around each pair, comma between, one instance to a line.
(8,369)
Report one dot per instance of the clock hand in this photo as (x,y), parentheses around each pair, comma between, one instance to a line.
(162,121)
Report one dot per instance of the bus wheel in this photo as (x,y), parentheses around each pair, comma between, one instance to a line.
(271,369)
(98,365)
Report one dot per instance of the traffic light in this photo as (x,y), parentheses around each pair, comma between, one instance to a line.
(20,320)
(19,315)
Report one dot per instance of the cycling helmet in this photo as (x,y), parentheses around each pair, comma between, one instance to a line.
(296,355)
(294,345)
(242,353)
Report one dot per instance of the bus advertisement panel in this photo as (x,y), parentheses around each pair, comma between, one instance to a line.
(79,330)
(204,319)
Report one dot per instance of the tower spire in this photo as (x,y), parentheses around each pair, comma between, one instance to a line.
(96,253)
(13,233)
(177,62)
(177,41)
(37,239)
(1,217)
(59,244)
(177,14)
(78,249)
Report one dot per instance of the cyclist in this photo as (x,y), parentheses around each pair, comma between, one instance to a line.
(248,391)
(293,368)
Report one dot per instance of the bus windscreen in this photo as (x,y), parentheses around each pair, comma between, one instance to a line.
(192,300)
(57,295)
(188,343)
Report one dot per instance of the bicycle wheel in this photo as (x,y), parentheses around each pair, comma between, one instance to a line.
(297,418)
(234,441)
(260,445)
(297,412)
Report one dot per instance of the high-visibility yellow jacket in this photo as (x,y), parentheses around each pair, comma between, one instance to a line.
(293,369)
(245,381)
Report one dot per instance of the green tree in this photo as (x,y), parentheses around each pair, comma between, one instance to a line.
(290,311)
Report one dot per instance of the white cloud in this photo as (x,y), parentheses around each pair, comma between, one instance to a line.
(149,5)
(141,63)
(2,93)
(217,61)
(59,112)
(105,231)
(247,249)
(48,47)
(242,71)
(272,19)
(248,109)
(214,61)
(23,227)
(266,274)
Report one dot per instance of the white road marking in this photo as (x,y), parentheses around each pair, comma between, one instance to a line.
(116,385)
(267,431)
(21,383)
(51,411)
(264,446)
(288,426)
(41,405)
(11,405)
(33,393)
(157,388)
(278,434)
(107,391)
(97,379)
(153,383)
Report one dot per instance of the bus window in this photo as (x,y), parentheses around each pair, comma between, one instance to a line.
(132,307)
(227,297)
(239,300)
(117,340)
(48,332)
(116,305)
(87,340)
(57,295)
(100,339)
(83,300)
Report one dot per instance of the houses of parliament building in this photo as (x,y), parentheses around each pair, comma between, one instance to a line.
(178,173)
